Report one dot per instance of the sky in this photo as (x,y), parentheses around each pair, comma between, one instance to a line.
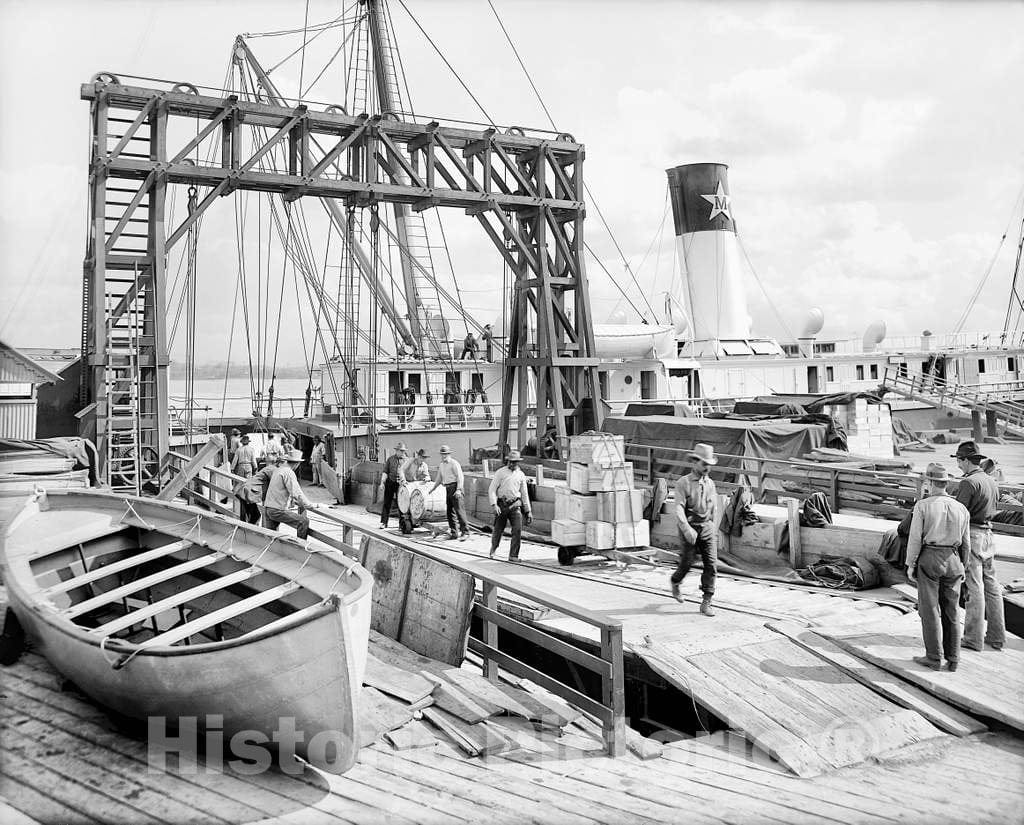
(874,148)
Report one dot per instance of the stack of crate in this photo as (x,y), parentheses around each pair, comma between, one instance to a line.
(868,427)
(599,507)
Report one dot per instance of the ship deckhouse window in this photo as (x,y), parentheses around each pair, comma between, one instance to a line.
(860,372)
(1011,364)
(736,348)
(830,374)
(764,348)
(874,371)
(981,365)
(824,349)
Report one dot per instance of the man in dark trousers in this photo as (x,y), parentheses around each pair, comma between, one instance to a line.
(487,336)
(510,499)
(392,479)
(984,622)
(696,509)
(252,492)
(938,548)
(449,475)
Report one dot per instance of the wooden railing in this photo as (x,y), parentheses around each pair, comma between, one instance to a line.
(1003,402)
(890,494)
(610,710)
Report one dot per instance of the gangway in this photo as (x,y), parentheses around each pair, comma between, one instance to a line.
(999,403)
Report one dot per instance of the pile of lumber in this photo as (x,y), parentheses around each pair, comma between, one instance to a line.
(411,701)
(599,507)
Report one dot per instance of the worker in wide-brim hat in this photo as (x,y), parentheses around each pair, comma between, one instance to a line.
(416,468)
(984,621)
(390,482)
(284,491)
(696,515)
(938,549)
(509,495)
(243,462)
(450,476)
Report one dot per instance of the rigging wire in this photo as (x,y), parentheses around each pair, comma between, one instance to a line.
(764,291)
(586,188)
(451,68)
(611,277)
(988,270)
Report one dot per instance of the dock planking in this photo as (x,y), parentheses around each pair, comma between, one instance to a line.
(987,683)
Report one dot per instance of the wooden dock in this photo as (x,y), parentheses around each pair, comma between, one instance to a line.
(64,759)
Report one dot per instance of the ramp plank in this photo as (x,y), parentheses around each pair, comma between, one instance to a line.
(986,683)
(390,567)
(936,711)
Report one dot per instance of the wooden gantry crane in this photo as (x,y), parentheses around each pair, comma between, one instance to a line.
(526,192)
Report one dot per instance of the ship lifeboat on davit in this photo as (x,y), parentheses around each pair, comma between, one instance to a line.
(635,340)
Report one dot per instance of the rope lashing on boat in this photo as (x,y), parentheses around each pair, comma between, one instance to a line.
(131,509)
(229,544)
(117,662)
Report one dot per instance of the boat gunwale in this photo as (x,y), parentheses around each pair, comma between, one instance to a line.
(18,594)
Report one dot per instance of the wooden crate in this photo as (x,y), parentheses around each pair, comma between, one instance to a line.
(610,479)
(604,536)
(580,507)
(598,450)
(619,506)
(568,533)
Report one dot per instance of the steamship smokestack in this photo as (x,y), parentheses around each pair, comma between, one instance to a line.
(708,252)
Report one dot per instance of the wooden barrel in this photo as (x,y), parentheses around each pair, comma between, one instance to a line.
(416,499)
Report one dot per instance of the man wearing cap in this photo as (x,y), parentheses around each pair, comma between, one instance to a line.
(449,475)
(416,468)
(281,492)
(244,462)
(392,475)
(938,548)
(984,622)
(696,505)
(510,499)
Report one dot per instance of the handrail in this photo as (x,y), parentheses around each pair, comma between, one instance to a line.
(608,666)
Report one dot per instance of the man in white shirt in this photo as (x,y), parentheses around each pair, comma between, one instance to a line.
(244,461)
(283,490)
(314,460)
(510,498)
(415,469)
(273,451)
(449,475)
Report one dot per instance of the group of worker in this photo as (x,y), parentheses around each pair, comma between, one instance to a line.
(275,486)
(950,558)
(470,346)
(508,493)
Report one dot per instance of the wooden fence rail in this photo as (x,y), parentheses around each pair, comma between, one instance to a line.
(610,710)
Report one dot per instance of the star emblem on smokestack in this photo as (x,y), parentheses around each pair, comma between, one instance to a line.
(719,203)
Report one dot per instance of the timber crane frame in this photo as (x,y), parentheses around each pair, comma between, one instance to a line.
(525,191)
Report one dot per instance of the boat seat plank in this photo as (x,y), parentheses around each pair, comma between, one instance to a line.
(156,608)
(116,567)
(232,611)
(141,584)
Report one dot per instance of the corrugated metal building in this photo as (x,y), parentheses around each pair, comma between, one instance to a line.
(19,377)
(56,404)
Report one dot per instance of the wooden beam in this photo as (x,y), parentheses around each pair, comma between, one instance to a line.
(102,572)
(189,471)
(795,554)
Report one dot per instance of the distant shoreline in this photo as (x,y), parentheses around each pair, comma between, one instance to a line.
(208,371)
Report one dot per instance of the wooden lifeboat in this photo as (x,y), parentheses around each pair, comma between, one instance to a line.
(158,609)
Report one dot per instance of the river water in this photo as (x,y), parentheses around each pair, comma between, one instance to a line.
(233,397)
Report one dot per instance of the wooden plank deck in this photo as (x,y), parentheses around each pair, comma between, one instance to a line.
(65,759)
(987,683)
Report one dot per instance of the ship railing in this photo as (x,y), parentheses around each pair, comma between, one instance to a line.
(189,419)
(605,700)
(439,414)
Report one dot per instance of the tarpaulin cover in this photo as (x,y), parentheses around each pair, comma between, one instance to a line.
(761,439)
(811,403)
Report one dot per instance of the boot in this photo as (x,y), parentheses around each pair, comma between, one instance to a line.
(952,665)
(933,664)
(675,592)
(705,606)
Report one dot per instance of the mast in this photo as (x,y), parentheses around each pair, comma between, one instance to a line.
(363,261)
(408,225)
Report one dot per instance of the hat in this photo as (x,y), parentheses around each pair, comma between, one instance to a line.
(445,450)
(704,452)
(936,472)
(422,454)
(401,446)
(513,455)
(245,439)
(293,457)
(967,449)
(236,431)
